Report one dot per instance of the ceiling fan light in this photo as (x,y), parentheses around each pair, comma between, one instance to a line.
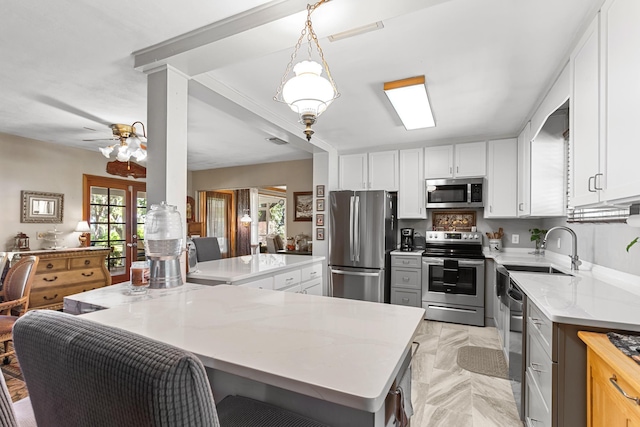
(106,150)
(123,154)
(133,142)
(140,154)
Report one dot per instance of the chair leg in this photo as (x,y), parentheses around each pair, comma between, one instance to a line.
(6,359)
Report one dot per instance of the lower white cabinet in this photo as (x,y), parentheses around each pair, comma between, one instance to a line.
(264,283)
(312,287)
(406,279)
(307,280)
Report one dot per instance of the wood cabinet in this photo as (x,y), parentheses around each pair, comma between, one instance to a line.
(369,171)
(610,374)
(66,272)
(194,229)
(406,279)
(411,203)
(502,178)
(455,161)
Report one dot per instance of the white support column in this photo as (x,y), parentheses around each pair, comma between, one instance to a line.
(167,98)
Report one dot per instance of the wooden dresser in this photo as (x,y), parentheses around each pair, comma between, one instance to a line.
(65,272)
(610,374)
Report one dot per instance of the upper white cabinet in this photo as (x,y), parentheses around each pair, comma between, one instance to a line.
(502,178)
(372,171)
(605,107)
(620,61)
(455,161)
(411,203)
(585,119)
(524,171)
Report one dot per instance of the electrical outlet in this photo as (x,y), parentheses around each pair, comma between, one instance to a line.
(559,243)
(515,238)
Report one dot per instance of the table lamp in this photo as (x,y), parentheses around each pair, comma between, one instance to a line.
(85,236)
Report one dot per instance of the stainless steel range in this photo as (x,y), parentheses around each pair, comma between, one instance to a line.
(453,277)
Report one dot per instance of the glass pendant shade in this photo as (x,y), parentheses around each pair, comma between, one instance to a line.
(106,151)
(123,154)
(308,93)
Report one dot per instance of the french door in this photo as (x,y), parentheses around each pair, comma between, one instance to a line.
(115,210)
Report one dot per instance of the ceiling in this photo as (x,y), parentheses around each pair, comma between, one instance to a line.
(68,69)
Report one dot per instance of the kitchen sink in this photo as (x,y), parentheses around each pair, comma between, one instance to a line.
(536,269)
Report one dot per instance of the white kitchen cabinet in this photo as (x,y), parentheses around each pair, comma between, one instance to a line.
(372,171)
(502,178)
(524,171)
(438,162)
(455,161)
(411,203)
(585,119)
(353,171)
(383,171)
(264,283)
(620,65)
(312,287)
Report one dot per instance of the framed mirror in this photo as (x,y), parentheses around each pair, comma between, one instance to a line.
(42,207)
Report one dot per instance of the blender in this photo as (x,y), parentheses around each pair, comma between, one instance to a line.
(163,246)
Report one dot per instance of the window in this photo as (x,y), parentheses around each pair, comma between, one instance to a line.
(271,217)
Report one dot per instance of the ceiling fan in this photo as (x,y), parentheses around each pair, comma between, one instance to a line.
(131,144)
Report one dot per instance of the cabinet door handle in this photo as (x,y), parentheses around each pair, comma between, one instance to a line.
(50,299)
(614,381)
(589,184)
(595,181)
(457,169)
(50,280)
(405,299)
(405,279)
(521,207)
(532,420)
(87,262)
(313,273)
(49,265)
(87,275)
(536,367)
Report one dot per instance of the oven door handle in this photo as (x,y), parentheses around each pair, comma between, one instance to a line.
(461,262)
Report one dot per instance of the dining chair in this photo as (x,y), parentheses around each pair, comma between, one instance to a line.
(82,373)
(15,299)
(207,248)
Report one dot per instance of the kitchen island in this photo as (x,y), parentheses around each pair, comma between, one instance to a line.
(332,359)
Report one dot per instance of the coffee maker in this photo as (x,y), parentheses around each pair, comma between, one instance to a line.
(406,239)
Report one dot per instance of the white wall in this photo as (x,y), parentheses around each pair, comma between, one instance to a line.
(297,175)
(27,164)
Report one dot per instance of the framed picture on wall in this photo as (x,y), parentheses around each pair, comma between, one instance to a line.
(319,190)
(303,205)
(320,205)
(320,220)
(319,233)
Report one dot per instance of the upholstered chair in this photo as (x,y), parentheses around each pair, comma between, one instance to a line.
(18,414)
(81,373)
(207,248)
(15,299)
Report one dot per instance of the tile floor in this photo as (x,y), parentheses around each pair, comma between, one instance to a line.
(444,394)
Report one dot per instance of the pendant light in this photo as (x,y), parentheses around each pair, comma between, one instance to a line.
(308,93)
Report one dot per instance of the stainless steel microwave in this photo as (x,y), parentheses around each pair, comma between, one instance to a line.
(454,193)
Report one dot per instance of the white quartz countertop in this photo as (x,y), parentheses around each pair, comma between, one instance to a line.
(340,350)
(414,253)
(596,297)
(246,267)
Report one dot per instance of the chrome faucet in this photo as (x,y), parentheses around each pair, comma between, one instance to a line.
(575,262)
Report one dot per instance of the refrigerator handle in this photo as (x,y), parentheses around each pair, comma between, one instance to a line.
(351,256)
(356,234)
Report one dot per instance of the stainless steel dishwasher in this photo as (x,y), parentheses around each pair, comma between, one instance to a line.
(517,343)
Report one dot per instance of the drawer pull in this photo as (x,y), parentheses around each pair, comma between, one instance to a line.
(614,381)
(50,299)
(49,266)
(405,279)
(536,322)
(405,299)
(50,280)
(87,262)
(532,420)
(289,279)
(536,367)
(87,275)
(313,273)
(405,262)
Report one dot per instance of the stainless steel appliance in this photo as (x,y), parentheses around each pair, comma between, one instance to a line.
(406,239)
(454,193)
(363,234)
(511,329)
(453,277)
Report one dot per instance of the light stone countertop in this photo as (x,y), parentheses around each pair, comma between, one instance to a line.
(411,253)
(593,296)
(243,268)
(343,351)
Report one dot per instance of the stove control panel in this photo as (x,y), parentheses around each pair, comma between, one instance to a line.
(454,237)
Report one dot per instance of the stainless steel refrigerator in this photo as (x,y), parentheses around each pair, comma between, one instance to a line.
(363,234)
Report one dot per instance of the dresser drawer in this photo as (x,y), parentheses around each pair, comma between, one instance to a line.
(407,297)
(55,294)
(49,265)
(287,279)
(540,366)
(540,324)
(312,272)
(406,261)
(406,278)
(537,413)
(68,277)
(86,262)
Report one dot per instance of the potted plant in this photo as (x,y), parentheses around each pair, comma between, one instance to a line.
(537,235)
